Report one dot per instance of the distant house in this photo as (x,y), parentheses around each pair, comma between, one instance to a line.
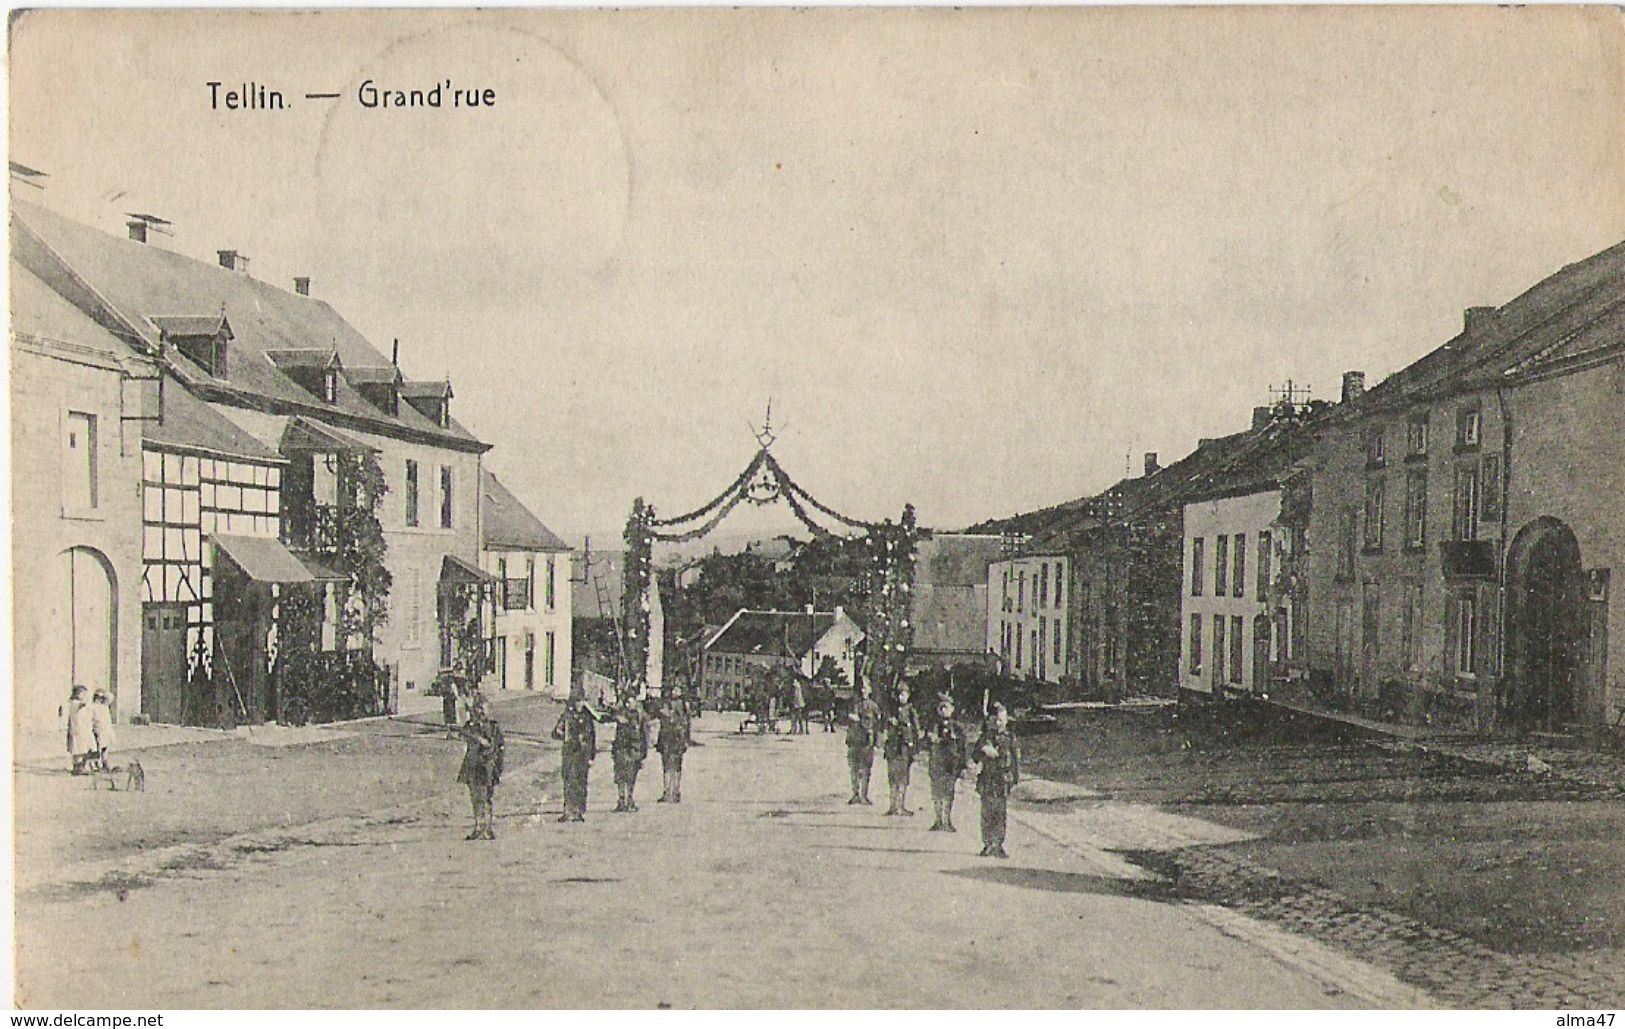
(1240,609)
(597,582)
(531,648)
(1027,615)
(752,642)
(949,597)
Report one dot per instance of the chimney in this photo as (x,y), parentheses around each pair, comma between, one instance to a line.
(809,609)
(138,230)
(1353,385)
(233,261)
(1474,318)
(1151,465)
(1261,418)
(840,612)
(395,353)
(301,285)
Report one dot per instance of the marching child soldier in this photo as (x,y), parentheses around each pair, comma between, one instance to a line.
(946,762)
(902,740)
(482,765)
(863,726)
(1000,758)
(577,729)
(673,744)
(629,749)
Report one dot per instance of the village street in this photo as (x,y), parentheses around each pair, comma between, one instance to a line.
(763,889)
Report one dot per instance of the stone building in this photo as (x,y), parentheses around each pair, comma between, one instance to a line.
(1465,519)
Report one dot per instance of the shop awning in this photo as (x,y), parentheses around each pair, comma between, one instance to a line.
(454,569)
(319,571)
(261,559)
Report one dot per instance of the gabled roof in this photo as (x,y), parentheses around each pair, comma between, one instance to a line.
(124,285)
(305,357)
(434,389)
(507,524)
(185,326)
(40,311)
(773,633)
(363,375)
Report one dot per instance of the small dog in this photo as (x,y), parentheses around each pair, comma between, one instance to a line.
(134,776)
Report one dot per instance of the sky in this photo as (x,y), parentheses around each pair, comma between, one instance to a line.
(981,261)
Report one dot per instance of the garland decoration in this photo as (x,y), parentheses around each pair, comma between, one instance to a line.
(890,635)
(635,584)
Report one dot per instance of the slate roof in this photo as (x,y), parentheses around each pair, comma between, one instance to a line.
(125,285)
(1577,310)
(39,310)
(955,558)
(305,357)
(192,425)
(507,524)
(778,633)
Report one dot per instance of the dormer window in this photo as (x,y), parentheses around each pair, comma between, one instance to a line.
(1469,427)
(317,371)
(202,339)
(432,400)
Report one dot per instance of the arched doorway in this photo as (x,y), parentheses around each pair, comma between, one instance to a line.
(1546,626)
(92,620)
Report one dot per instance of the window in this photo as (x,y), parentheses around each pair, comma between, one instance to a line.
(1238,638)
(1043,585)
(1218,651)
(1350,544)
(1035,655)
(1041,645)
(330,386)
(1416,437)
(1375,448)
(547,660)
(530,581)
(1196,567)
(1266,558)
(79,480)
(1467,501)
(1017,664)
(1059,577)
(1465,630)
(1416,509)
(1059,637)
(1489,489)
(1468,427)
(1221,565)
(1238,577)
(1196,646)
(1373,513)
(552,578)
(411,493)
(1021,590)
(1414,621)
(445,496)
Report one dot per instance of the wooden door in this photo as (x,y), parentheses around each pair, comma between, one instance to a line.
(163,662)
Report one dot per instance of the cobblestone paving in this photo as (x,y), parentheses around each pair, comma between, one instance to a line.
(1453,969)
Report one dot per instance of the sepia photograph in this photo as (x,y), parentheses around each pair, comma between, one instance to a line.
(909,509)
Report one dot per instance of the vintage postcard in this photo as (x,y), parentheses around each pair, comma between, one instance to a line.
(1001,508)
